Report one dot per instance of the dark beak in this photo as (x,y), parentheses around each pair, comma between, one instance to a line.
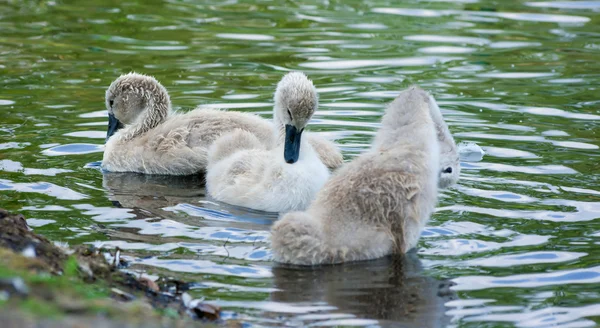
(291,151)
(113,125)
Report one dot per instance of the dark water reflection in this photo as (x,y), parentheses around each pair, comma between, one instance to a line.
(132,189)
(391,291)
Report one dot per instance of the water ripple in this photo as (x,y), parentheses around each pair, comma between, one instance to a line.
(584,211)
(554,316)
(561,277)
(457,247)
(594,5)
(537,169)
(45,188)
(364,63)
(73,149)
(208,267)
(170,228)
(448,39)
(8,165)
(525,259)
(105,214)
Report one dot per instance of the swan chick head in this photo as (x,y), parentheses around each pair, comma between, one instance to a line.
(132,96)
(449,166)
(296,100)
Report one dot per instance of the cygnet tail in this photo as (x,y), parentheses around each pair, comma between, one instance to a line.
(298,239)
(232,142)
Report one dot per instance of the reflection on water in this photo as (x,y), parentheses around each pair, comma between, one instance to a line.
(516,82)
(390,291)
(72,149)
(123,186)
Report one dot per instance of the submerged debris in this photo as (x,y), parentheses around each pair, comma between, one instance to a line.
(29,252)
(14,286)
(179,286)
(121,295)
(197,309)
(149,283)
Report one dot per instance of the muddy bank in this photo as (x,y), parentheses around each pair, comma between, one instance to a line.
(44,285)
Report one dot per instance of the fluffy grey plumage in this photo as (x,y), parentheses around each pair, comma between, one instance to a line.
(156,140)
(242,172)
(377,204)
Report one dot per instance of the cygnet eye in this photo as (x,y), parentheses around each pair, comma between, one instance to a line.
(448,170)
(111,102)
(290,114)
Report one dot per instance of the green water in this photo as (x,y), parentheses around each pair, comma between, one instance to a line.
(518,236)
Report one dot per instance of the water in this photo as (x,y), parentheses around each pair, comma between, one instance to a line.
(517,240)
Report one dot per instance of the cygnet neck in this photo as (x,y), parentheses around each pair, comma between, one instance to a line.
(158,108)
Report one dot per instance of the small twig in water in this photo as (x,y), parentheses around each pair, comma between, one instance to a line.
(20,125)
(225,246)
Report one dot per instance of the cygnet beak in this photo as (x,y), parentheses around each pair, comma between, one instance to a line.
(291,151)
(113,125)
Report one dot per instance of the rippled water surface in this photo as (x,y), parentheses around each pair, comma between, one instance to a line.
(514,244)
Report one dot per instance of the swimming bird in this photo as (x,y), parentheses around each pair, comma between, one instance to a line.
(241,171)
(146,136)
(449,159)
(378,203)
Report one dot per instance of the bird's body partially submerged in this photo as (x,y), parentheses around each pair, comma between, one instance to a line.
(281,179)
(146,136)
(377,204)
